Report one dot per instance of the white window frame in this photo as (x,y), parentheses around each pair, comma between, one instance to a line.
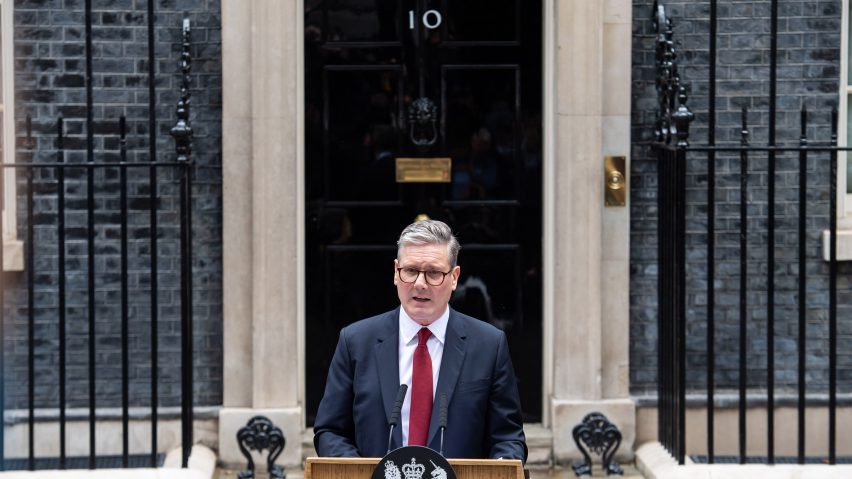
(844,200)
(13,258)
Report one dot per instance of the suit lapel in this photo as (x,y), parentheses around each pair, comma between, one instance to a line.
(387,362)
(451,364)
(387,366)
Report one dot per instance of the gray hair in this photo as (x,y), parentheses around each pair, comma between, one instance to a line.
(430,232)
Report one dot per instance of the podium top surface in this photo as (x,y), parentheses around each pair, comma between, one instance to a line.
(362,468)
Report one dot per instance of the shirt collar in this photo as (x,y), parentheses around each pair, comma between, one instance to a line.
(408,328)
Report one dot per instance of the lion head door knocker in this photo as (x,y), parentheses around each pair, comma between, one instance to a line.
(423,122)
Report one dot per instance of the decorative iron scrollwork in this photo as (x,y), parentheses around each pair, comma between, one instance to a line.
(601,437)
(672,121)
(182,132)
(259,434)
(423,122)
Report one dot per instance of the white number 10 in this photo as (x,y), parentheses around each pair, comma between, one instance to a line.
(431,19)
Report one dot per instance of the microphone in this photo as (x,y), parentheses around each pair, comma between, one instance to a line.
(397,407)
(442,420)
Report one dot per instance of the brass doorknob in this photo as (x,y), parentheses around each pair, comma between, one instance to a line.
(615,181)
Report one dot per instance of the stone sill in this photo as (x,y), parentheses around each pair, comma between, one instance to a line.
(655,462)
(844,245)
(202,465)
(13,255)
(20,416)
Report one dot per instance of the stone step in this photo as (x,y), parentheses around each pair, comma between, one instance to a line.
(539,444)
(308,444)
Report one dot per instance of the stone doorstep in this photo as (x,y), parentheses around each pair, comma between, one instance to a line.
(308,444)
(202,465)
(539,443)
(655,462)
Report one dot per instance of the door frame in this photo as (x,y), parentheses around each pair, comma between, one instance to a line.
(548,113)
(548,116)
(584,245)
(548,218)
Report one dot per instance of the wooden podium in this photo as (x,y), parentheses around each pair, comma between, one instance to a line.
(362,468)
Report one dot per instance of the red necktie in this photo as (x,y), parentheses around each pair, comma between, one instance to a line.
(421,392)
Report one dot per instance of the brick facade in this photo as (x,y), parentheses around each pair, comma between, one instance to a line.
(50,71)
(50,80)
(808,75)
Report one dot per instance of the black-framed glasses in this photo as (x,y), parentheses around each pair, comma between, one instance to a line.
(433,278)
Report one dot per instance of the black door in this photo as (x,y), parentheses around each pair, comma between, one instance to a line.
(473,67)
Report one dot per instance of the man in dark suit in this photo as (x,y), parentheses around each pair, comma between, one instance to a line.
(434,350)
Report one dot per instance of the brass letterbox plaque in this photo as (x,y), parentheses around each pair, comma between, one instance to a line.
(423,170)
(615,181)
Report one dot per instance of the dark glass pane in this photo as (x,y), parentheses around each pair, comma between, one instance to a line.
(848,138)
(480,128)
(363,134)
(848,175)
(849,51)
(362,20)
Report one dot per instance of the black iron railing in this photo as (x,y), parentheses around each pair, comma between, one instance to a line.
(676,158)
(139,186)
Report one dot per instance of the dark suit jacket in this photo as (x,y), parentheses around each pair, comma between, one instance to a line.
(484,410)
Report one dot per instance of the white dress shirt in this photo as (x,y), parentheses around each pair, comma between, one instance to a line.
(408,329)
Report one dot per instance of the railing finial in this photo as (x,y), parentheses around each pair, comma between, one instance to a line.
(682,118)
(672,122)
(182,132)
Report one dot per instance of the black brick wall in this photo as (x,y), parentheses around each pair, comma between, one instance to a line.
(808,75)
(50,68)
(50,82)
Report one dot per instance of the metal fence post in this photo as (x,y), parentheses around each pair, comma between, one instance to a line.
(182,134)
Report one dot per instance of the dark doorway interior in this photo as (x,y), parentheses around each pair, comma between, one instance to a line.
(478,65)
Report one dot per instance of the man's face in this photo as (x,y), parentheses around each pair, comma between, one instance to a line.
(423,302)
